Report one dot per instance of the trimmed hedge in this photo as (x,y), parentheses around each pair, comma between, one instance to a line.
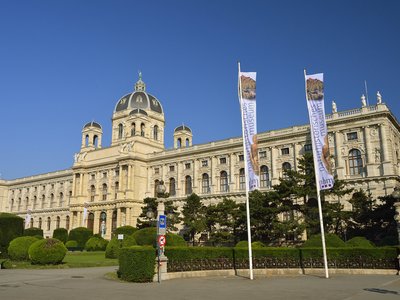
(189,253)
(245,244)
(18,248)
(125,230)
(146,236)
(60,234)
(137,264)
(96,244)
(359,241)
(331,240)
(34,231)
(81,235)
(47,251)
(11,226)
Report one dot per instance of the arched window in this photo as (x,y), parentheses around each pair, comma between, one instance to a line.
(172,187)
(51,199)
(40,223)
(142,129)
(87,140)
(90,222)
(155,132)
(242,179)
(92,192)
(133,129)
(105,191)
(26,202)
(61,199)
(95,140)
(264,176)
(187,143)
(48,223)
(116,189)
(355,162)
(120,131)
(34,202)
(58,222)
(285,167)
(67,222)
(156,183)
(12,205)
(188,185)
(179,142)
(102,223)
(43,201)
(224,182)
(205,183)
(19,204)
(31,225)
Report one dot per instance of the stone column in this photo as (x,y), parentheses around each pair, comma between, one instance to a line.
(274,157)
(118,217)
(109,223)
(231,177)
(96,223)
(339,158)
(387,168)
(79,221)
(295,155)
(128,216)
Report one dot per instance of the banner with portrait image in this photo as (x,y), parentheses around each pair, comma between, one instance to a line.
(247,94)
(319,132)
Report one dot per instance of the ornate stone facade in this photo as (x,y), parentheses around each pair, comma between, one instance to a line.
(111,182)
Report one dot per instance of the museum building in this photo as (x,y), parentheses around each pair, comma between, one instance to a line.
(110,183)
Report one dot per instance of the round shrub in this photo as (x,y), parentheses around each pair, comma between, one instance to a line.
(257,245)
(360,241)
(81,235)
(60,234)
(96,244)
(71,244)
(331,240)
(125,230)
(18,248)
(11,226)
(34,231)
(146,236)
(175,240)
(47,251)
(113,247)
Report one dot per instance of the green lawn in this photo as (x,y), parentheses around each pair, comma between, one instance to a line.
(71,260)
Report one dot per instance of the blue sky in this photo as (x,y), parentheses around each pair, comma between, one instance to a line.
(65,63)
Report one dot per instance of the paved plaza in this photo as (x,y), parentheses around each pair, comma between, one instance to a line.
(91,283)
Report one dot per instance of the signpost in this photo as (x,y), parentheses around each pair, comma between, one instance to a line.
(161,240)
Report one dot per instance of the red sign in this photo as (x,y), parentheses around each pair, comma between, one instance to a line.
(161,240)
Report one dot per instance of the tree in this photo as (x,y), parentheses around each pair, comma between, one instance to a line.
(301,185)
(148,217)
(194,216)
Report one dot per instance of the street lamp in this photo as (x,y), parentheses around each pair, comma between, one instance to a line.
(161,231)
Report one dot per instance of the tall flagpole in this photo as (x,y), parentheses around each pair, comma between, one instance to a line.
(321,221)
(247,185)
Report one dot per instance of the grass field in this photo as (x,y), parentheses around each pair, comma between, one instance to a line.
(71,260)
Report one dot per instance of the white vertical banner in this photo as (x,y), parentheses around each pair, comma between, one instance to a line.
(247,99)
(247,94)
(319,132)
(28,218)
(319,138)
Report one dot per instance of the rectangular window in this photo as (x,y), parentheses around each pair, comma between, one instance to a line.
(156,170)
(117,172)
(285,151)
(307,147)
(352,136)
(171,168)
(204,163)
(105,175)
(222,160)
(241,157)
(263,154)
(93,177)
(187,166)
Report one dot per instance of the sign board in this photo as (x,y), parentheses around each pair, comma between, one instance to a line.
(120,236)
(162,222)
(161,240)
